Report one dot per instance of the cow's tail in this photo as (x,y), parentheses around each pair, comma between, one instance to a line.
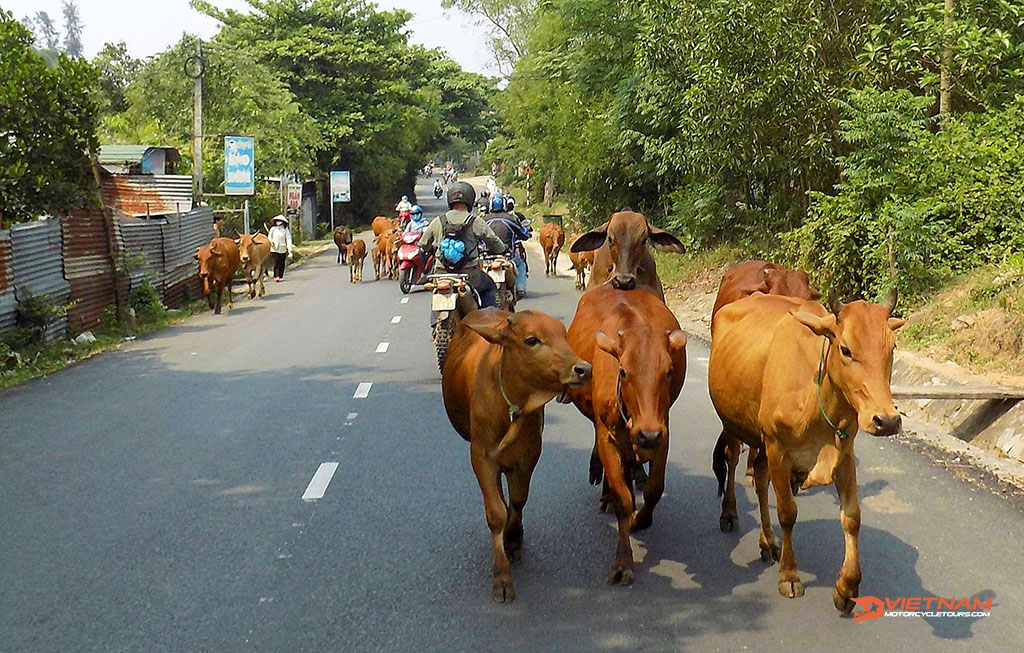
(720,463)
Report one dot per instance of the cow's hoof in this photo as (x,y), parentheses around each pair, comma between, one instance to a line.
(728,523)
(642,519)
(843,604)
(621,577)
(770,554)
(216,311)
(791,589)
(602,506)
(750,479)
(503,590)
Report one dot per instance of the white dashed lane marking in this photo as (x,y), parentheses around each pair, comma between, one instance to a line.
(396,319)
(363,391)
(318,484)
(382,348)
(405,300)
(351,416)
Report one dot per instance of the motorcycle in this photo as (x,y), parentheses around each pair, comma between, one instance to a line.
(438,192)
(451,299)
(497,267)
(413,267)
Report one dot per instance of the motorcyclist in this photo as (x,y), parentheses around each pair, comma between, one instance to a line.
(438,188)
(403,208)
(472,232)
(417,221)
(509,227)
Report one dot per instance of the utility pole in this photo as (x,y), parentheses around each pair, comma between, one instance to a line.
(196,73)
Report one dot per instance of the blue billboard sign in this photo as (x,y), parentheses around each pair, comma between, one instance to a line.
(341,186)
(239,165)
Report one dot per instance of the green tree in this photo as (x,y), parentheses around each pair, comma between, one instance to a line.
(48,129)
(509,22)
(117,69)
(72,28)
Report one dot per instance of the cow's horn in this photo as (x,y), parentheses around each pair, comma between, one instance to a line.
(890,300)
(834,304)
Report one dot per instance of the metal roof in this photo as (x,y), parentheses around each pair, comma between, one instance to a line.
(147,195)
(133,153)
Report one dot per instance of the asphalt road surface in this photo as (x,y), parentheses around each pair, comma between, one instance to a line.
(151,500)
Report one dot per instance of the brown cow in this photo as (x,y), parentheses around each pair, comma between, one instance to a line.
(639,358)
(217,264)
(745,279)
(254,252)
(381,224)
(799,381)
(551,240)
(393,243)
(622,254)
(342,238)
(581,262)
(379,255)
(356,258)
(518,360)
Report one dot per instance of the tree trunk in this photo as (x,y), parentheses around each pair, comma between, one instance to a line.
(549,187)
(945,70)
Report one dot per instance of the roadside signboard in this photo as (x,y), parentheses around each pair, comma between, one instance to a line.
(341,186)
(294,195)
(239,165)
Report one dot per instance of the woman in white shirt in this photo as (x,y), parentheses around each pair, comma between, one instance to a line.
(280,245)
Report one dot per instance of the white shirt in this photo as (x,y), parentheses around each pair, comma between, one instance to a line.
(280,239)
(404,205)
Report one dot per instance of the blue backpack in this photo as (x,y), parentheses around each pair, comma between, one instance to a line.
(452,249)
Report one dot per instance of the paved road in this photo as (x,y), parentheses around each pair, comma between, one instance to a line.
(151,501)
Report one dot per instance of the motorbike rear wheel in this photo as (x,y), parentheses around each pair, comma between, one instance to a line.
(405,281)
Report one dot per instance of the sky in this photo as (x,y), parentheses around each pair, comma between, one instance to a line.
(149,26)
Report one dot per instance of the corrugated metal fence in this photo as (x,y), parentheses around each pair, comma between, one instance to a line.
(73,258)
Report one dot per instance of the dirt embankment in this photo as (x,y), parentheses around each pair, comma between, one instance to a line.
(995,426)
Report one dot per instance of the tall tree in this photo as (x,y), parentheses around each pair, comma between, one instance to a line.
(47,129)
(46,31)
(117,69)
(72,28)
(509,22)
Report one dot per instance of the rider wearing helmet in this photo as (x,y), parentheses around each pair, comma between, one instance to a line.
(509,227)
(403,208)
(459,233)
(417,222)
(497,202)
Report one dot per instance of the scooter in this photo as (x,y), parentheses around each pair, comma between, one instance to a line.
(451,299)
(497,268)
(413,267)
(438,192)
(403,218)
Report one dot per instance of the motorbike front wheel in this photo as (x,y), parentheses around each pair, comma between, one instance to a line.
(442,337)
(405,280)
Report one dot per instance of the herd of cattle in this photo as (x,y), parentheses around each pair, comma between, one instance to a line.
(387,234)
(220,260)
(791,379)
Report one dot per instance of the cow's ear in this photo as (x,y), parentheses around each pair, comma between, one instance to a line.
(822,326)
(677,341)
(896,322)
(665,241)
(591,240)
(196,255)
(814,293)
(608,344)
(489,324)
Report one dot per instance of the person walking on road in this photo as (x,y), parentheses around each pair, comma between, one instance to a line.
(280,245)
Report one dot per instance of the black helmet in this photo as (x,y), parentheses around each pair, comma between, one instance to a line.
(461,191)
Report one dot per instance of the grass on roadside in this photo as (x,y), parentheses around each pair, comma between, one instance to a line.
(18,365)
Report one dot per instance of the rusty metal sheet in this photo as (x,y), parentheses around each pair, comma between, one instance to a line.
(8,307)
(147,195)
(36,251)
(87,267)
(143,240)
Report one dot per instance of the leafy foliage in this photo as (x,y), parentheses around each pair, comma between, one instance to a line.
(47,129)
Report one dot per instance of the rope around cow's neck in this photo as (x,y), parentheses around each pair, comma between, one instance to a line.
(513,411)
(822,361)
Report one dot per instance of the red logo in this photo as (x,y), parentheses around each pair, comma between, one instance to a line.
(874,608)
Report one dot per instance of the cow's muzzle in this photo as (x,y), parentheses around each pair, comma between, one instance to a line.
(648,439)
(624,281)
(885,425)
